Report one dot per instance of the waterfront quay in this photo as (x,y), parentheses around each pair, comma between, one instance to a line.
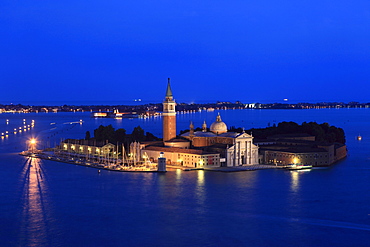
(113,166)
(140,167)
(228,169)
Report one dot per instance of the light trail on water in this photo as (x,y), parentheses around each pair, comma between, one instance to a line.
(34,227)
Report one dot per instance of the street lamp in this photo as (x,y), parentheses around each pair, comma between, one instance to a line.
(32,145)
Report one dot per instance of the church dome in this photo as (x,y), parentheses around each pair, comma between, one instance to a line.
(218,127)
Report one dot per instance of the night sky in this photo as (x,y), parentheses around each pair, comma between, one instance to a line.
(252,51)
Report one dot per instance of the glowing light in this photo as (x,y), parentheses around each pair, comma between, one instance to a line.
(33,141)
(295,160)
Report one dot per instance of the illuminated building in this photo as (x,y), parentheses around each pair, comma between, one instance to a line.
(218,147)
(86,148)
(300,148)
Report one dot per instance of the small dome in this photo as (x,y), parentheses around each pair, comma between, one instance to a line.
(218,127)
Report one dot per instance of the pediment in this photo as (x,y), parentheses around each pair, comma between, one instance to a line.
(243,135)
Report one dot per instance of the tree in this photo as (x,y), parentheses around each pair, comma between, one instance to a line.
(87,135)
(322,132)
(288,127)
(138,134)
(151,137)
(120,135)
(105,133)
(98,133)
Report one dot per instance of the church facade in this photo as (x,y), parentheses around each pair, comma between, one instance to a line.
(243,152)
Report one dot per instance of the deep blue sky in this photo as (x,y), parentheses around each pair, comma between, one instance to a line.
(253,51)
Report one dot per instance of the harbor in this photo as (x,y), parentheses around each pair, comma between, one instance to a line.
(118,166)
(114,166)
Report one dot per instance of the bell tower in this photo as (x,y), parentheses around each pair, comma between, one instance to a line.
(169,115)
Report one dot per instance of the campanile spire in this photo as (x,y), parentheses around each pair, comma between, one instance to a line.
(169,90)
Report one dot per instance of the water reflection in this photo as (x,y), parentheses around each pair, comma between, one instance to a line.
(34,225)
(200,178)
(200,192)
(295,181)
(295,176)
(178,176)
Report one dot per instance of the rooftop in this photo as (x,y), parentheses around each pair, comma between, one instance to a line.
(178,150)
(292,149)
(91,142)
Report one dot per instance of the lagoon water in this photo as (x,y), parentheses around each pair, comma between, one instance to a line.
(46,203)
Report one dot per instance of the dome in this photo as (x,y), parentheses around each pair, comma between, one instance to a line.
(218,127)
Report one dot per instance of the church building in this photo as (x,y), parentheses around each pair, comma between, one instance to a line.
(213,148)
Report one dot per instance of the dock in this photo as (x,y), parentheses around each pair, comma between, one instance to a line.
(227,169)
(127,168)
(100,166)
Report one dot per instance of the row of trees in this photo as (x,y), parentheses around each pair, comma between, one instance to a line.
(104,133)
(323,132)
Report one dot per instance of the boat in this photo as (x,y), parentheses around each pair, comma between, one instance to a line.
(359,137)
(297,167)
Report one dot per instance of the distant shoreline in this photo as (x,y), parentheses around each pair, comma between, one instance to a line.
(181,107)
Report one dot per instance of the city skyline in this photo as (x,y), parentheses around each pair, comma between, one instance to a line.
(212,51)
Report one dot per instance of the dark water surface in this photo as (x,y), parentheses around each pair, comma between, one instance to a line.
(46,203)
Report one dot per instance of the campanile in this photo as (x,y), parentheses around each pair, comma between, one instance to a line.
(169,115)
